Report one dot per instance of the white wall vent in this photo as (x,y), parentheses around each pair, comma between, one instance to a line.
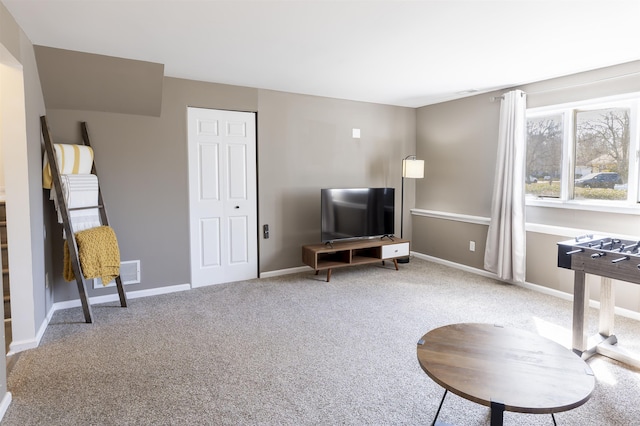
(129,274)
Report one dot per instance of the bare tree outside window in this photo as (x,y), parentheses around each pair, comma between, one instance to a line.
(544,156)
(602,154)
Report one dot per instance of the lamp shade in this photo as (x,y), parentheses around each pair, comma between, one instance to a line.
(413,169)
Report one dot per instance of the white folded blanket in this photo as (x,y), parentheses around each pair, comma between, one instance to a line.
(71,159)
(80,191)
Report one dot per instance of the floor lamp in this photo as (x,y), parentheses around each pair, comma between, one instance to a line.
(412,168)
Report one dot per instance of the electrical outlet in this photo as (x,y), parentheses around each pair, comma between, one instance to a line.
(472,246)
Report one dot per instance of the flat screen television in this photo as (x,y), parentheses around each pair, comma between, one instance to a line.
(349,213)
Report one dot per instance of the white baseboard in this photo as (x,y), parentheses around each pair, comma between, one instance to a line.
(114,297)
(22,345)
(287,271)
(4,404)
(535,287)
(152,292)
(33,343)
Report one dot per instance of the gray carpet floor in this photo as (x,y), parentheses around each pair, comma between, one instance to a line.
(293,350)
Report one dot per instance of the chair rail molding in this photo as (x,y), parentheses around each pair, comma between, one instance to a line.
(478,220)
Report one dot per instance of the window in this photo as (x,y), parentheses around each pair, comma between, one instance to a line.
(584,153)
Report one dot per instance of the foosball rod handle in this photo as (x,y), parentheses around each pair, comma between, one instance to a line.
(620,259)
(569,253)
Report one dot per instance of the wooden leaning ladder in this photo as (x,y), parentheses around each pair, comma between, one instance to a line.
(64,213)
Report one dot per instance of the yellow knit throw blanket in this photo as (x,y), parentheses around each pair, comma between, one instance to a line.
(98,253)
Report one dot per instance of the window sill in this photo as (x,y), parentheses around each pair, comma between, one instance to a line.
(620,207)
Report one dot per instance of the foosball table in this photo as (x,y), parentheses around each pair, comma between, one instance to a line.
(610,258)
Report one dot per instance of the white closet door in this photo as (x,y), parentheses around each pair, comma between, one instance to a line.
(222,196)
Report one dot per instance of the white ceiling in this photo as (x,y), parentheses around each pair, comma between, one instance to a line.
(408,53)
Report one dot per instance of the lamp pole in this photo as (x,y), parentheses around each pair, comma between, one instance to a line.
(402,209)
(404,172)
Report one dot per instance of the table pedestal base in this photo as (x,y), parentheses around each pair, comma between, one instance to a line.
(605,342)
(607,346)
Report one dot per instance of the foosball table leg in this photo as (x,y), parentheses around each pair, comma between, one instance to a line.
(607,306)
(580,308)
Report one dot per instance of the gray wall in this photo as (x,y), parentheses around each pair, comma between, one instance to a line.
(105,83)
(458,141)
(142,164)
(304,144)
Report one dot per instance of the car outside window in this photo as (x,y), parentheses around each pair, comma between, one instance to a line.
(582,152)
(602,147)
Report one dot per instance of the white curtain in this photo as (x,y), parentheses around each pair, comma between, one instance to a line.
(506,240)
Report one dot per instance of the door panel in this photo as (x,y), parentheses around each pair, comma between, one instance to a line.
(222,196)
(210,242)
(237,128)
(239,252)
(237,155)
(209,182)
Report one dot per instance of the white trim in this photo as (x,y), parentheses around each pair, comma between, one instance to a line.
(561,231)
(614,207)
(455,265)
(585,104)
(479,220)
(564,231)
(280,272)
(154,291)
(43,327)
(23,345)
(130,295)
(535,287)
(4,405)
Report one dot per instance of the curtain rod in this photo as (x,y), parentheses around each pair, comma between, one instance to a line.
(495,98)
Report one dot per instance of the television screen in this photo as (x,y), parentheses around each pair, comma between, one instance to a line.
(357,213)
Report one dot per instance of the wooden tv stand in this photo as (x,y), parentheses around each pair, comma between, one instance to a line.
(349,253)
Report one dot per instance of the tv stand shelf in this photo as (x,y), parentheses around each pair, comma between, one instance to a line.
(349,253)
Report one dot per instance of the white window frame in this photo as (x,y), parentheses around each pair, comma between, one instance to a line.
(629,206)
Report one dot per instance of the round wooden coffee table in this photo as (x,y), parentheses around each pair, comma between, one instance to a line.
(505,369)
